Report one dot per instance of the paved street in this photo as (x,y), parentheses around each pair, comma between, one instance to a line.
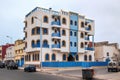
(21,75)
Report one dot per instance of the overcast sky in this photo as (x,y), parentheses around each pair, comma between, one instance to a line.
(106,14)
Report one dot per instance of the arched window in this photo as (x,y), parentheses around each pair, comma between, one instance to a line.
(82,35)
(63,32)
(45,19)
(90,58)
(33,31)
(63,43)
(38,43)
(33,43)
(47,57)
(38,30)
(82,24)
(64,57)
(71,22)
(70,33)
(107,53)
(45,42)
(32,20)
(89,27)
(85,57)
(53,57)
(82,45)
(64,21)
(77,57)
(75,23)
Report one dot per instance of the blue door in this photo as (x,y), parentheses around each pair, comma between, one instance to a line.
(22,62)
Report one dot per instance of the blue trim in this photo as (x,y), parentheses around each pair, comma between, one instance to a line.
(31,11)
(89,48)
(56,34)
(73,64)
(55,23)
(56,46)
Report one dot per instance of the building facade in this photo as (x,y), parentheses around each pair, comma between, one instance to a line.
(3,50)
(10,53)
(19,52)
(57,36)
(0,53)
(105,51)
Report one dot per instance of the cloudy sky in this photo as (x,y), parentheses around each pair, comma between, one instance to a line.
(106,14)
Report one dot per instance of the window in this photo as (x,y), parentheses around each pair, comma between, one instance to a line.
(107,53)
(63,32)
(82,24)
(33,43)
(29,57)
(75,44)
(82,35)
(89,27)
(45,19)
(38,43)
(71,22)
(63,43)
(33,31)
(64,57)
(75,33)
(45,42)
(33,57)
(90,58)
(85,57)
(63,21)
(53,57)
(38,30)
(32,20)
(70,43)
(75,23)
(45,31)
(70,33)
(77,57)
(47,57)
(82,45)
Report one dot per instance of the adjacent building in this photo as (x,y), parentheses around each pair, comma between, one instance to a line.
(52,36)
(0,53)
(19,52)
(105,51)
(3,50)
(10,54)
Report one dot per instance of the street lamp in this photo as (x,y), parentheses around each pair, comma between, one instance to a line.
(40,40)
(9,38)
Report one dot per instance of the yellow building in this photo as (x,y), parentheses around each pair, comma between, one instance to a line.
(19,52)
(0,53)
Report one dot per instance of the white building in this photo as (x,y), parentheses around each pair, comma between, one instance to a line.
(65,36)
(10,53)
(105,51)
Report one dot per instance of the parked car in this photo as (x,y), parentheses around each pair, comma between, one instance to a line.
(2,65)
(12,65)
(30,68)
(113,66)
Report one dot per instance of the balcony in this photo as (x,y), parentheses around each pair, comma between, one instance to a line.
(56,23)
(86,38)
(45,46)
(55,34)
(56,46)
(87,28)
(89,48)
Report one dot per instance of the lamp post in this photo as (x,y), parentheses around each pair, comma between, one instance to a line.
(9,38)
(40,40)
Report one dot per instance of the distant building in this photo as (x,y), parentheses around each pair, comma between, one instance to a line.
(10,53)
(106,51)
(66,36)
(19,52)
(3,50)
(0,53)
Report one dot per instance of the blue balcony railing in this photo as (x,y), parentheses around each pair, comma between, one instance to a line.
(56,46)
(45,46)
(56,23)
(56,34)
(86,38)
(87,28)
(89,48)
